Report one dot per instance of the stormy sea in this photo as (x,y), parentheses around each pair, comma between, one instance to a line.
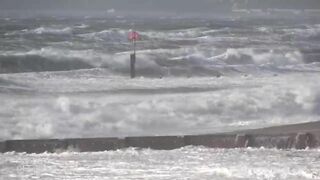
(69,77)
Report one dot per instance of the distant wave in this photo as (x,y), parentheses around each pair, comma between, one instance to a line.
(7,86)
(82,26)
(209,48)
(43,31)
(89,56)
(260,57)
(48,30)
(311,55)
(4,82)
(188,61)
(121,35)
(230,56)
(204,62)
(113,35)
(178,34)
(307,32)
(36,63)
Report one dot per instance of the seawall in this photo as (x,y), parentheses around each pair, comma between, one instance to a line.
(298,136)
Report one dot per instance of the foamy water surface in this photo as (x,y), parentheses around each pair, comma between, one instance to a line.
(184,163)
(67,77)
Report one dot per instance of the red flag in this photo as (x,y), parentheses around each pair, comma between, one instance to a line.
(133,36)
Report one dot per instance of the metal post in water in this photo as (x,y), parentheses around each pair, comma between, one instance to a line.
(132,65)
(133,36)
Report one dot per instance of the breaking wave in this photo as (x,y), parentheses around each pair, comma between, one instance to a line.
(157,62)
(82,26)
(44,31)
(121,35)
(112,35)
(305,32)
(178,34)
(7,86)
(47,30)
(206,48)
(101,101)
(163,106)
(259,57)
(36,63)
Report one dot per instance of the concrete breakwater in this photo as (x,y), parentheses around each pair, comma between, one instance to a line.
(299,136)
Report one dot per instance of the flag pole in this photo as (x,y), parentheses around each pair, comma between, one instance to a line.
(133,57)
(134,46)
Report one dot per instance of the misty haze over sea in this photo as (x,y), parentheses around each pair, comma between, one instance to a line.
(150,7)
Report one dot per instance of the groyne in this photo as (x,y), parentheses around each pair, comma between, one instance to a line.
(298,136)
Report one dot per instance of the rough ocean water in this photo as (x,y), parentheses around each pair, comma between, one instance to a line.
(185,163)
(68,77)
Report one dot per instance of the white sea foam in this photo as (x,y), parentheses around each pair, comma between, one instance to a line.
(82,26)
(307,32)
(121,34)
(261,84)
(91,104)
(112,35)
(178,34)
(240,56)
(253,56)
(264,80)
(111,11)
(184,163)
(164,62)
(43,30)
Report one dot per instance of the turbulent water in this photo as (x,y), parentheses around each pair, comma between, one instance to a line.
(186,163)
(68,77)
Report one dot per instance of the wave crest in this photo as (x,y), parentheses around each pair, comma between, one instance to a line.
(113,35)
(55,31)
(36,63)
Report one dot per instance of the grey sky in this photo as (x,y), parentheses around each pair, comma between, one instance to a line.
(155,5)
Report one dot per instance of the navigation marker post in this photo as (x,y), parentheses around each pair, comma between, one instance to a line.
(133,37)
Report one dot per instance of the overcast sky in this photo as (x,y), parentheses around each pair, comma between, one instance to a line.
(156,5)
